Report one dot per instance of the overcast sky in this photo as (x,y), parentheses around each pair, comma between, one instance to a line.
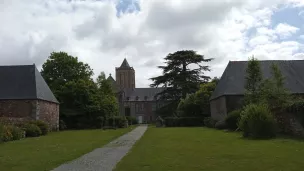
(103,32)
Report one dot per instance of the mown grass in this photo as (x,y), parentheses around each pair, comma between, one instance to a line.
(183,149)
(47,152)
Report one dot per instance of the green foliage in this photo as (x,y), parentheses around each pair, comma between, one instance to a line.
(177,76)
(232,119)
(32,130)
(209,122)
(197,104)
(257,122)
(273,91)
(17,132)
(117,121)
(81,99)
(253,81)
(62,125)
(220,124)
(5,134)
(42,125)
(183,121)
(132,120)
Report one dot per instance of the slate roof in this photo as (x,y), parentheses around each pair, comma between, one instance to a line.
(23,82)
(113,83)
(233,79)
(125,64)
(141,93)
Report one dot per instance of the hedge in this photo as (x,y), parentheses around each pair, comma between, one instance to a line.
(184,121)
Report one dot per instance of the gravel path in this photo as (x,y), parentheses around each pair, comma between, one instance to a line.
(105,158)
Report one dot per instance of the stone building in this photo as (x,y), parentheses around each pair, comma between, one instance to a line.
(138,102)
(24,95)
(230,90)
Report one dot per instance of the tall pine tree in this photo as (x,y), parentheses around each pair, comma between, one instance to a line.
(182,75)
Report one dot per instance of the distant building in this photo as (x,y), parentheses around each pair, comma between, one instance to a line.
(24,95)
(230,90)
(138,102)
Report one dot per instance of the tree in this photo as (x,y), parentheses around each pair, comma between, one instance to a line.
(82,101)
(273,91)
(253,81)
(61,68)
(182,75)
(104,85)
(197,104)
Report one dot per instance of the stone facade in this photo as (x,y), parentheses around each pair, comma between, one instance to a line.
(31,110)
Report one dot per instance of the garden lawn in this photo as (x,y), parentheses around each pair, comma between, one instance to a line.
(47,152)
(183,149)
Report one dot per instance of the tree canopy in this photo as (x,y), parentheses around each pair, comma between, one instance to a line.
(81,99)
(182,75)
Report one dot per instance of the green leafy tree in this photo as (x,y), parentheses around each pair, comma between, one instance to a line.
(253,81)
(197,104)
(82,101)
(182,75)
(273,91)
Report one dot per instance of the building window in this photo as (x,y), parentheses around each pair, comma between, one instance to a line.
(142,107)
(146,98)
(137,107)
(128,98)
(137,97)
(153,106)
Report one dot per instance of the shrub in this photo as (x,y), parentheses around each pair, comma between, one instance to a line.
(220,125)
(132,120)
(32,130)
(62,125)
(42,125)
(183,121)
(5,134)
(171,121)
(209,122)
(17,133)
(232,119)
(257,122)
(117,121)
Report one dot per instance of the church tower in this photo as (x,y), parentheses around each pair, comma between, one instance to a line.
(125,75)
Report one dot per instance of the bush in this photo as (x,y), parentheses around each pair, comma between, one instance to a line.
(209,122)
(32,130)
(16,132)
(183,121)
(117,121)
(132,120)
(62,125)
(42,125)
(220,125)
(257,122)
(232,119)
(5,134)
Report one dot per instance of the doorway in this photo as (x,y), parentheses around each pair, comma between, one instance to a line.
(140,119)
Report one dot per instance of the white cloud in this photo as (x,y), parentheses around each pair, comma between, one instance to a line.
(92,31)
(285,31)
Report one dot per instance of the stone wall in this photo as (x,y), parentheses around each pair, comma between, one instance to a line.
(18,108)
(218,108)
(48,112)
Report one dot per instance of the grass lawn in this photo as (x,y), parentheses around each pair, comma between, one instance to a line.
(190,149)
(47,152)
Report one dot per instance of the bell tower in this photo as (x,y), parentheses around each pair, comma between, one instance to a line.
(125,75)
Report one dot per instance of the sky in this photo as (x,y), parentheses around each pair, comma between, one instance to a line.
(103,32)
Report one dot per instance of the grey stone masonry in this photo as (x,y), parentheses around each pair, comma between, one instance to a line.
(105,158)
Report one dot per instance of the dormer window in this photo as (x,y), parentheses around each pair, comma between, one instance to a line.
(128,98)
(146,98)
(137,97)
